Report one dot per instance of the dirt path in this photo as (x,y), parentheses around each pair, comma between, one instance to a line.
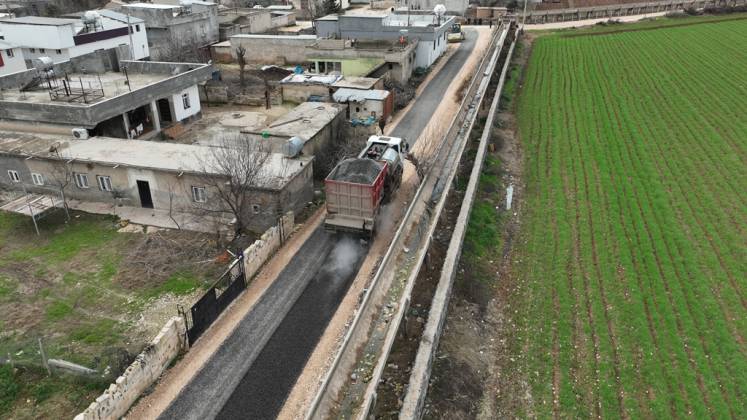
(169,386)
(303,392)
(589,22)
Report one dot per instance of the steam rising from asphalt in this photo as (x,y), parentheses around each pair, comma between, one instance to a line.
(343,259)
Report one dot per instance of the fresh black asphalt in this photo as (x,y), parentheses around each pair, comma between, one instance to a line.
(204,396)
(264,388)
(251,374)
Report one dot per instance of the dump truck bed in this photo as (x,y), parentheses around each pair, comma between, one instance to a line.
(354,190)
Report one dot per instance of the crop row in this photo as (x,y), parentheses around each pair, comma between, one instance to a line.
(635,245)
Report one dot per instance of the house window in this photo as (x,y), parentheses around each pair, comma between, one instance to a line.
(37,178)
(199,195)
(185,100)
(9,53)
(42,50)
(59,52)
(33,50)
(255,208)
(81,180)
(13,175)
(105,183)
(137,28)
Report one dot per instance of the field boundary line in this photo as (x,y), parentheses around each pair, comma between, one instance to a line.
(654,28)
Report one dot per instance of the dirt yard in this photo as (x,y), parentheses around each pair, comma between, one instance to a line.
(93,296)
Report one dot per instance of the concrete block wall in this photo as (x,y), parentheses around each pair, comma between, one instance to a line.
(141,374)
(260,251)
(273,49)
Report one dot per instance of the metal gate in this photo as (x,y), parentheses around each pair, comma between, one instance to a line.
(215,300)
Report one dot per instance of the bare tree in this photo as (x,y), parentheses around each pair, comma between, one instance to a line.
(349,143)
(61,176)
(183,50)
(172,194)
(232,171)
(241,59)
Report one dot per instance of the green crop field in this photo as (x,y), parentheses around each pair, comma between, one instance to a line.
(633,259)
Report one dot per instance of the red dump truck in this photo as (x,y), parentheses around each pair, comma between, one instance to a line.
(356,188)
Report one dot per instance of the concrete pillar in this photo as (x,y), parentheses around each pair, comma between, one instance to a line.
(172,109)
(126,125)
(156,117)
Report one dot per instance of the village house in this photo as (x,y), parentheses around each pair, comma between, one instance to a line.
(153,175)
(99,95)
(430,31)
(60,40)
(362,104)
(170,26)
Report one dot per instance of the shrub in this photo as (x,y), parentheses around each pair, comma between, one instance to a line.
(9,388)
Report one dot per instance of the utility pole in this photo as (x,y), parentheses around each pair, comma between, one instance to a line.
(129,32)
(408,13)
(524,15)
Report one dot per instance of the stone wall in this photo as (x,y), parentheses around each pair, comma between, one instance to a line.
(260,251)
(148,366)
(141,374)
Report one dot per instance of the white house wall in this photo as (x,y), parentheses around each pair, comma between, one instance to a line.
(426,53)
(39,36)
(139,39)
(12,64)
(194,100)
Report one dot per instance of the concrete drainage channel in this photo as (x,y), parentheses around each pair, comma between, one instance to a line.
(399,388)
(412,406)
(349,387)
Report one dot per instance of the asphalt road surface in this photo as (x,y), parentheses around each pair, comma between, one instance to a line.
(206,393)
(264,388)
(414,122)
(251,374)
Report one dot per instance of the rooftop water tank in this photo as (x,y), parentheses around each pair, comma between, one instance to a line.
(293,147)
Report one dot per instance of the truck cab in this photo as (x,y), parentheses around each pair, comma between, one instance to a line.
(389,150)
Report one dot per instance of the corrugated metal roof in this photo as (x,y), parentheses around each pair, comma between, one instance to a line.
(325,79)
(357,95)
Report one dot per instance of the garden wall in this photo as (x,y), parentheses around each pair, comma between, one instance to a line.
(141,374)
(258,252)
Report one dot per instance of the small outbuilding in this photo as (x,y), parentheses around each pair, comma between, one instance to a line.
(362,104)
